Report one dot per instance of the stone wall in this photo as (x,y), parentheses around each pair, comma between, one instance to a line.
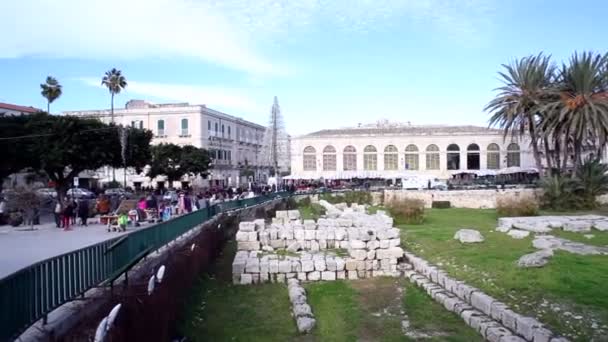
(476,199)
(348,244)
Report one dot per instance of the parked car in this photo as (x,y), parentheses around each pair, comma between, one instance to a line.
(120,192)
(80,193)
(47,193)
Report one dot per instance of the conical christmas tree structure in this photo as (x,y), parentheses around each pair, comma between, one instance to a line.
(275,151)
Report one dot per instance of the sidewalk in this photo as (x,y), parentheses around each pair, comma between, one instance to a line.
(20,247)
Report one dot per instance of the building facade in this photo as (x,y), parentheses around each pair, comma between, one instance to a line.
(234,143)
(386,150)
(12,109)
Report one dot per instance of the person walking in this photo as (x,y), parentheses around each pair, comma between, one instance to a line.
(68,212)
(57,214)
(83,211)
(74,211)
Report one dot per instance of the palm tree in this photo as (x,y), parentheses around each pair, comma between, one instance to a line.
(516,108)
(579,106)
(115,82)
(51,90)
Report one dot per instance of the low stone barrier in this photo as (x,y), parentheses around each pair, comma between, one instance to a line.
(494,320)
(302,313)
(350,245)
(475,199)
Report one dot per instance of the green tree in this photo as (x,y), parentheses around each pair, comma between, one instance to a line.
(115,81)
(174,161)
(16,155)
(51,91)
(592,181)
(578,108)
(517,107)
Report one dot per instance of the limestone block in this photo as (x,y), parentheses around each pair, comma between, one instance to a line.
(536,259)
(286,234)
(362,274)
(330,234)
(340,234)
(542,335)
(468,236)
(277,243)
(322,244)
(248,245)
(509,319)
(364,236)
(342,222)
(374,244)
(331,244)
(314,276)
(535,228)
(601,225)
(314,246)
(308,266)
(345,244)
(253,265)
(321,234)
(385,264)
(526,327)
(264,277)
(255,278)
(369,265)
(482,302)
(273,234)
(496,310)
(502,229)
(281,214)
(394,242)
(320,264)
(327,275)
(280,277)
(310,225)
(350,265)
(305,324)
(384,244)
(302,310)
(309,234)
(246,279)
(376,264)
(360,266)
(242,236)
(259,224)
(290,275)
(253,236)
(518,234)
(394,233)
(331,264)
(264,237)
(273,266)
(465,291)
(293,214)
(247,226)
(341,275)
(577,226)
(301,276)
(357,244)
(339,264)
(358,254)
(254,254)
(296,266)
(353,233)
(264,266)
(512,338)
(352,275)
(284,266)
(294,247)
(371,254)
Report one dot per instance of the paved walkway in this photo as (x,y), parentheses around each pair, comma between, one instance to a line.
(20,248)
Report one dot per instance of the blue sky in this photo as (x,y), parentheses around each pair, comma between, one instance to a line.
(332,63)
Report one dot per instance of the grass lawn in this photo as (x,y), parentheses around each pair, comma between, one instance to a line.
(569,294)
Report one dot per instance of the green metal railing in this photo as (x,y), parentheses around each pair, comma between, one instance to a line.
(28,295)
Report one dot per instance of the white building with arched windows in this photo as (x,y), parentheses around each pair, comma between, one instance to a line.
(386,150)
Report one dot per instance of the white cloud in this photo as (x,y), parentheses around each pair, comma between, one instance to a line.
(224,32)
(220,98)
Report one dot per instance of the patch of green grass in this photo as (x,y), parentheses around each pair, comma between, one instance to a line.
(220,311)
(336,310)
(578,283)
(428,316)
(598,239)
(311,211)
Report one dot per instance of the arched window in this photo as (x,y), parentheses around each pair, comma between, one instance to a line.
(222,131)
(370,158)
(184,130)
(329,158)
(513,156)
(349,155)
(160,128)
(228,132)
(473,157)
(453,157)
(310,159)
(391,157)
(411,157)
(432,157)
(493,157)
(216,129)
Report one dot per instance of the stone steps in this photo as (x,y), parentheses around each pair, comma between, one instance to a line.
(488,316)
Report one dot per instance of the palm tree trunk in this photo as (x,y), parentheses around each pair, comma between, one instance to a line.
(48,107)
(548,153)
(534,142)
(112,118)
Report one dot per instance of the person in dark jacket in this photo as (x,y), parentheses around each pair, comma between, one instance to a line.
(83,211)
(68,212)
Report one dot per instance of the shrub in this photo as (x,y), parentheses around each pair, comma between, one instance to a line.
(441,204)
(408,211)
(591,181)
(517,206)
(359,197)
(559,193)
(304,202)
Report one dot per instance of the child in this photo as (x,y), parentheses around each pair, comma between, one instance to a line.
(123,220)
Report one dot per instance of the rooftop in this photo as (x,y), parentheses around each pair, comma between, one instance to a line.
(17,108)
(390,128)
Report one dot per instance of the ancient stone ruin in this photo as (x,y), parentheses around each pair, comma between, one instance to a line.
(347,243)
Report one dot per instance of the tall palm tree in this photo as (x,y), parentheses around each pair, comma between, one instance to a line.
(516,108)
(51,90)
(580,106)
(115,82)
